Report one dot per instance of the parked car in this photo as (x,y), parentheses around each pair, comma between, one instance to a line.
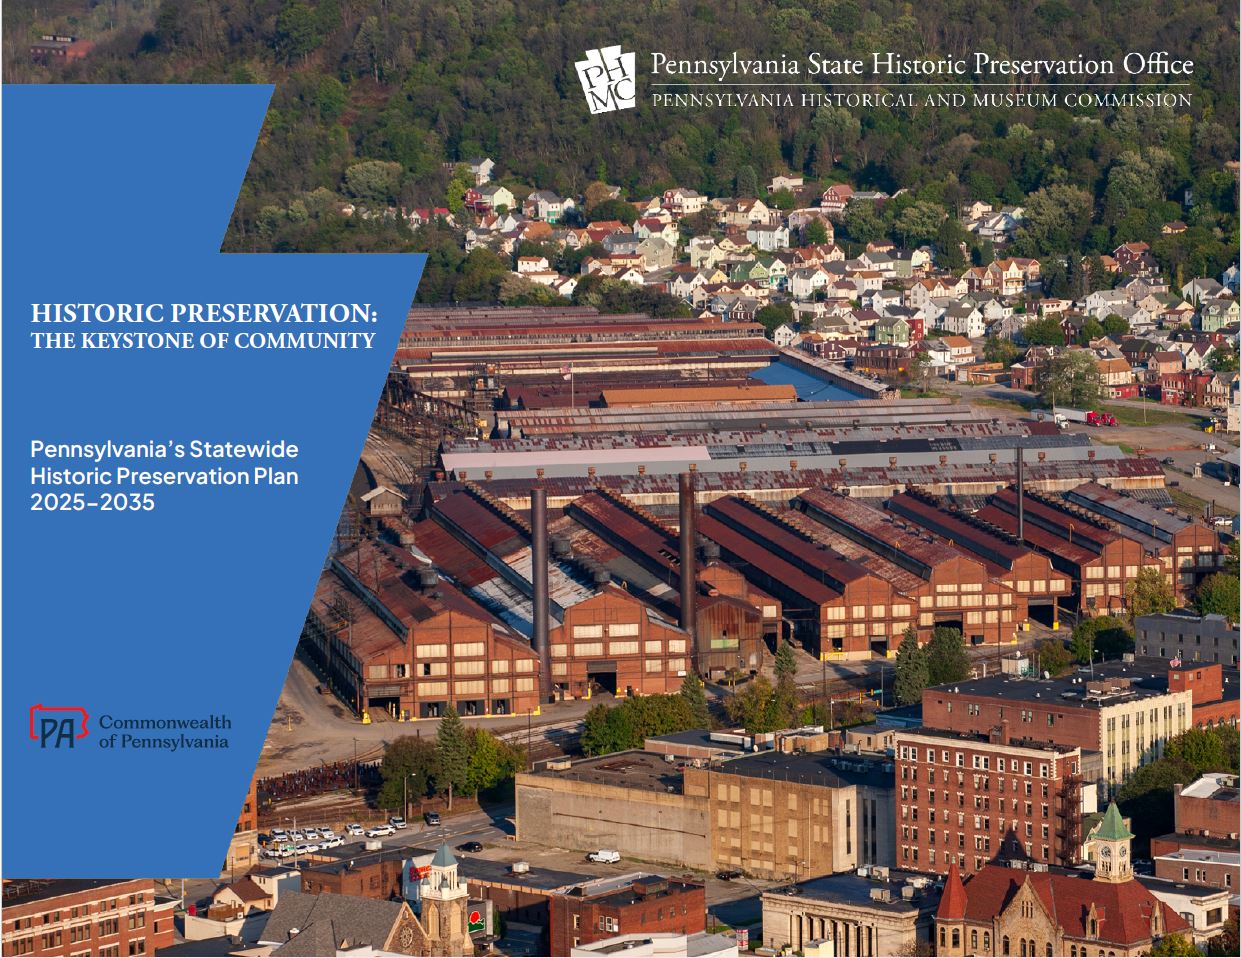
(1169,461)
(379,831)
(297,835)
(332,842)
(398,822)
(432,818)
(470,847)
(604,856)
(306,848)
(728,874)
(312,834)
(353,828)
(278,835)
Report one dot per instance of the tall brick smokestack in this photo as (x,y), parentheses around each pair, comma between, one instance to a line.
(1021,495)
(689,572)
(542,595)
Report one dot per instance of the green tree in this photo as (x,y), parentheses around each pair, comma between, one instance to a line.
(627,213)
(1206,749)
(459,183)
(786,662)
(750,707)
(374,181)
(1056,220)
(946,659)
(409,765)
(774,315)
(948,242)
(1148,593)
(1116,326)
(782,200)
(815,232)
(1174,945)
(1070,379)
(1220,594)
(1000,349)
(920,369)
(452,749)
(606,730)
(1105,636)
(491,760)
(1045,331)
(912,671)
(1053,657)
(695,695)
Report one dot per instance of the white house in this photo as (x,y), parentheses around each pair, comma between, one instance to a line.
(785,335)
(768,238)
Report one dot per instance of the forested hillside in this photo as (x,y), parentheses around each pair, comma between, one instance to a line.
(416,83)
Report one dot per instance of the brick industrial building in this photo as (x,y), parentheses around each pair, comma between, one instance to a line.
(965,799)
(105,917)
(607,907)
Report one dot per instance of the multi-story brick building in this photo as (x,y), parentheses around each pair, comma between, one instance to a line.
(608,907)
(1216,702)
(108,917)
(1116,709)
(966,799)
(781,815)
(772,814)
(1203,848)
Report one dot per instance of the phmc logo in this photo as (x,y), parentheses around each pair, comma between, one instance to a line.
(608,79)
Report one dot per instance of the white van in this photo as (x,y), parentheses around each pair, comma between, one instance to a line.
(604,856)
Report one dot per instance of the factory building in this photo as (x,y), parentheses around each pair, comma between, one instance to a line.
(969,484)
(773,814)
(1100,561)
(731,618)
(947,586)
(1189,550)
(1028,573)
(390,633)
(838,609)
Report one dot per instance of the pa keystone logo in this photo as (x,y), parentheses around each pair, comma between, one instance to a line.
(57,726)
(608,79)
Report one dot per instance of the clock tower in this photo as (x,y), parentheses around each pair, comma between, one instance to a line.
(1111,846)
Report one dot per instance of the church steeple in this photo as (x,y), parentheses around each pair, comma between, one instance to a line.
(1112,844)
(445,900)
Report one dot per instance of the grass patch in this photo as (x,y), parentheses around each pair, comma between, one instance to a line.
(1188,501)
(1013,405)
(1155,415)
(909,392)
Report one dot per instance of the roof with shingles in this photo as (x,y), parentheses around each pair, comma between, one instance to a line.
(330,920)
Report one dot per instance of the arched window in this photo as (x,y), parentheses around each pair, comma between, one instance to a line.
(956,938)
(986,941)
(1073,951)
(943,938)
(1050,953)
(1023,948)
(974,940)
(1004,948)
